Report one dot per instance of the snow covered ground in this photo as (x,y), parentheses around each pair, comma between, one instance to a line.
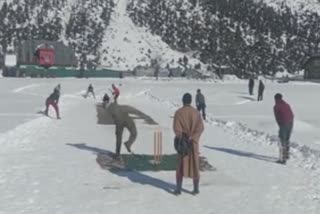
(41,172)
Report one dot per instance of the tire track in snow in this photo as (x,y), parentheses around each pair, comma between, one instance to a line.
(21,89)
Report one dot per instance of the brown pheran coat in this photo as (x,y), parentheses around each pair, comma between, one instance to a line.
(188,120)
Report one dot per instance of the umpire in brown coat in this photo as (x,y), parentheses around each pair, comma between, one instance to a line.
(188,120)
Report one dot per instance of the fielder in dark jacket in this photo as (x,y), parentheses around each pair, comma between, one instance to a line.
(260,90)
(53,100)
(201,103)
(251,85)
(284,117)
(122,120)
(90,90)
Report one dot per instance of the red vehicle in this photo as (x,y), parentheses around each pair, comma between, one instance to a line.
(45,55)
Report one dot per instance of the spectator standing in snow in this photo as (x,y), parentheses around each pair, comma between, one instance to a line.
(201,103)
(188,122)
(122,120)
(284,117)
(115,92)
(53,100)
(251,85)
(170,73)
(260,90)
(90,90)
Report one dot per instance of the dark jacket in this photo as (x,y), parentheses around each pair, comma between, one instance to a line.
(54,96)
(200,100)
(261,87)
(251,82)
(283,113)
(116,91)
(120,116)
(106,98)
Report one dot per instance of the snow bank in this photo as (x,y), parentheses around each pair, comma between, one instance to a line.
(230,77)
(283,74)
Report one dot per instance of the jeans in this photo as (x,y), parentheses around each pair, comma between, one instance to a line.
(54,105)
(285,131)
(119,131)
(202,108)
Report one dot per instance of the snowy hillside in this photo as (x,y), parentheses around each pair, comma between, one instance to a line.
(79,24)
(126,46)
(245,36)
(84,25)
(242,37)
(298,6)
(51,166)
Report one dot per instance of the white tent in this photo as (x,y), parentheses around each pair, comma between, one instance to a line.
(10,60)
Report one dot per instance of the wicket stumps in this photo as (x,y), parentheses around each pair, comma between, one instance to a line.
(157,146)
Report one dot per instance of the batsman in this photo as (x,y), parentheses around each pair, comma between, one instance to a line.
(122,120)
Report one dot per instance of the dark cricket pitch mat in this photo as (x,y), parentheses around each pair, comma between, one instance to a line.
(137,162)
(142,162)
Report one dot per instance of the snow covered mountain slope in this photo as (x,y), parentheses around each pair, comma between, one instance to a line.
(126,45)
(79,24)
(125,33)
(100,32)
(244,37)
(299,6)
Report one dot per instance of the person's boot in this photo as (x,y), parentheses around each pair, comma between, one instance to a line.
(282,159)
(117,157)
(287,152)
(179,187)
(281,162)
(128,146)
(195,187)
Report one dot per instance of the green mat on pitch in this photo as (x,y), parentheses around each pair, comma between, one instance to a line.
(141,162)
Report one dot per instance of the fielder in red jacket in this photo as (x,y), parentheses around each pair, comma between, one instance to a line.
(53,100)
(115,92)
(284,117)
